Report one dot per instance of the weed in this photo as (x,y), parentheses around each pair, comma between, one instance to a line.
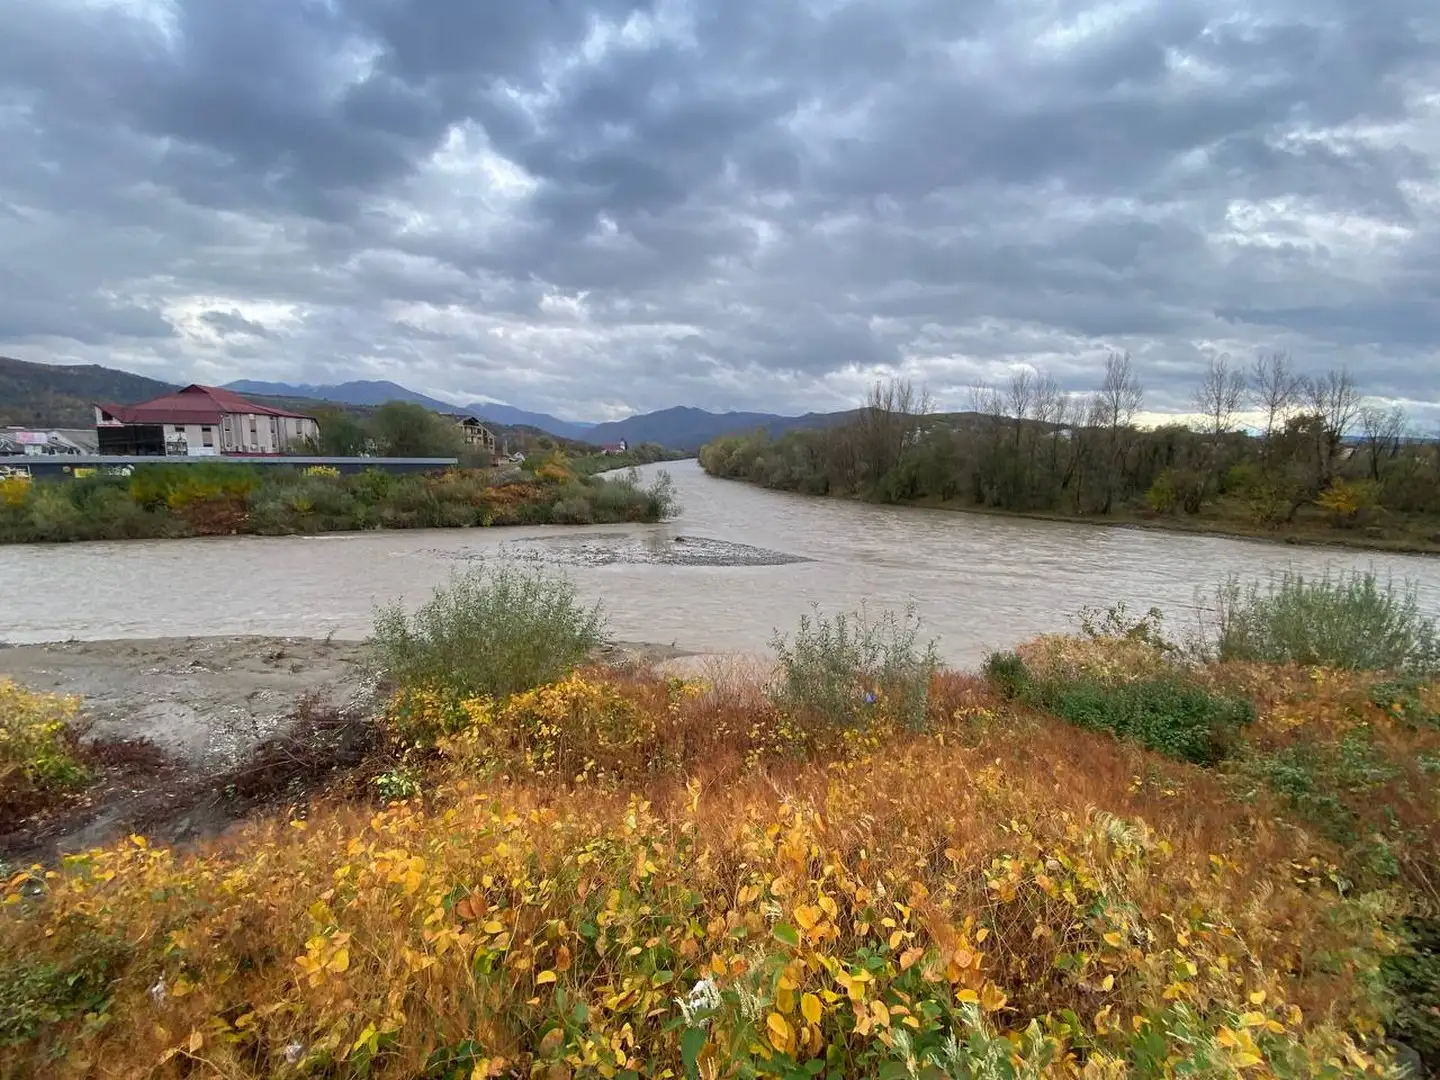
(395,784)
(491,632)
(849,669)
(1351,621)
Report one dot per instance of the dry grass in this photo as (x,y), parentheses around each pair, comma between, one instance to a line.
(1004,895)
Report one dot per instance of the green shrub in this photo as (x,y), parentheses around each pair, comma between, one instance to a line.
(1166,713)
(493,631)
(1412,975)
(849,669)
(1402,699)
(1325,782)
(1351,621)
(50,515)
(36,993)
(1008,672)
(573,510)
(372,485)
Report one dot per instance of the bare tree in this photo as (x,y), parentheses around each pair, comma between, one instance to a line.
(985,399)
(1383,430)
(1120,394)
(1020,400)
(892,416)
(1274,387)
(1335,400)
(1051,403)
(1219,396)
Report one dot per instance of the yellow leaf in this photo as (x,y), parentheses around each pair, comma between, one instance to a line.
(340,961)
(807,916)
(493,927)
(1252,1019)
(782,1035)
(1246,1059)
(1113,939)
(545,977)
(992,998)
(1257,998)
(909,958)
(967,996)
(881,1013)
(1107,983)
(196,1041)
(896,938)
(810,1008)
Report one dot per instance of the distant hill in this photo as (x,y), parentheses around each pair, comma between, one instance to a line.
(61,395)
(684,428)
(370,392)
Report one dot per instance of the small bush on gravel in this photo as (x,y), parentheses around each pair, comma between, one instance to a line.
(492,632)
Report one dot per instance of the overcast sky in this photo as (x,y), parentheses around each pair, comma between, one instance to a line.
(599,207)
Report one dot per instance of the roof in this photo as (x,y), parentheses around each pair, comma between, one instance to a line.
(195,404)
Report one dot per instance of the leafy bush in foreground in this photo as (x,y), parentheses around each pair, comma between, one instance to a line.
(493,631)
(598,890)
(850,668)
(1350,621)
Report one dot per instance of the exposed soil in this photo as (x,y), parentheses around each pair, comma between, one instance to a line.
(186,736)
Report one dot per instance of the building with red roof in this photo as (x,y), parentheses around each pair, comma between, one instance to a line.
(203,421)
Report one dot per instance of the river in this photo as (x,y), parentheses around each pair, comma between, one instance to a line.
(978,582)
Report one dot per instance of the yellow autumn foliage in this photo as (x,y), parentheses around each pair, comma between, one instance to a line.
(596,885)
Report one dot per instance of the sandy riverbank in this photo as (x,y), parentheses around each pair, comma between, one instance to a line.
(193,733)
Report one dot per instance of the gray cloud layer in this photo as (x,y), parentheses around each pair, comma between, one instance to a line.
(598,207)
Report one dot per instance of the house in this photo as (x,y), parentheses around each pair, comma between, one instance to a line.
(476,435)
(615,447)
(201,421)
(43,443)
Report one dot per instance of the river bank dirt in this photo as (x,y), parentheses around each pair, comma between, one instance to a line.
(185,736)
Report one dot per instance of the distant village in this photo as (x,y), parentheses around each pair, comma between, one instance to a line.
(211,422)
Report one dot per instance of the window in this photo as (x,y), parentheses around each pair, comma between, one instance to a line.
(207,436)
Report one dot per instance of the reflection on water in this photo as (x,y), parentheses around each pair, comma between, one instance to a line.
(978,582)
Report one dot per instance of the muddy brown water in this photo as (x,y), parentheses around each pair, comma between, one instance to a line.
(746,561)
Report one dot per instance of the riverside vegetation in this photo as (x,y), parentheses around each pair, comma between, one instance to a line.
(224,499)
(1107,856)
(1326,465)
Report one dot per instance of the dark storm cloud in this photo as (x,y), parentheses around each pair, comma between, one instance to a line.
(592,207)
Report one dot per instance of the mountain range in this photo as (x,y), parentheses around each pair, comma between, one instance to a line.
(678,428)
(378,392)
(61,395)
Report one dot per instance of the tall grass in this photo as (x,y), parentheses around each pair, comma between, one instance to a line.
(1354,621)
(849,668)
(493,631)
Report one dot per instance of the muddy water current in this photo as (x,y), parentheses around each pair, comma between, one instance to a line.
(737,563)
